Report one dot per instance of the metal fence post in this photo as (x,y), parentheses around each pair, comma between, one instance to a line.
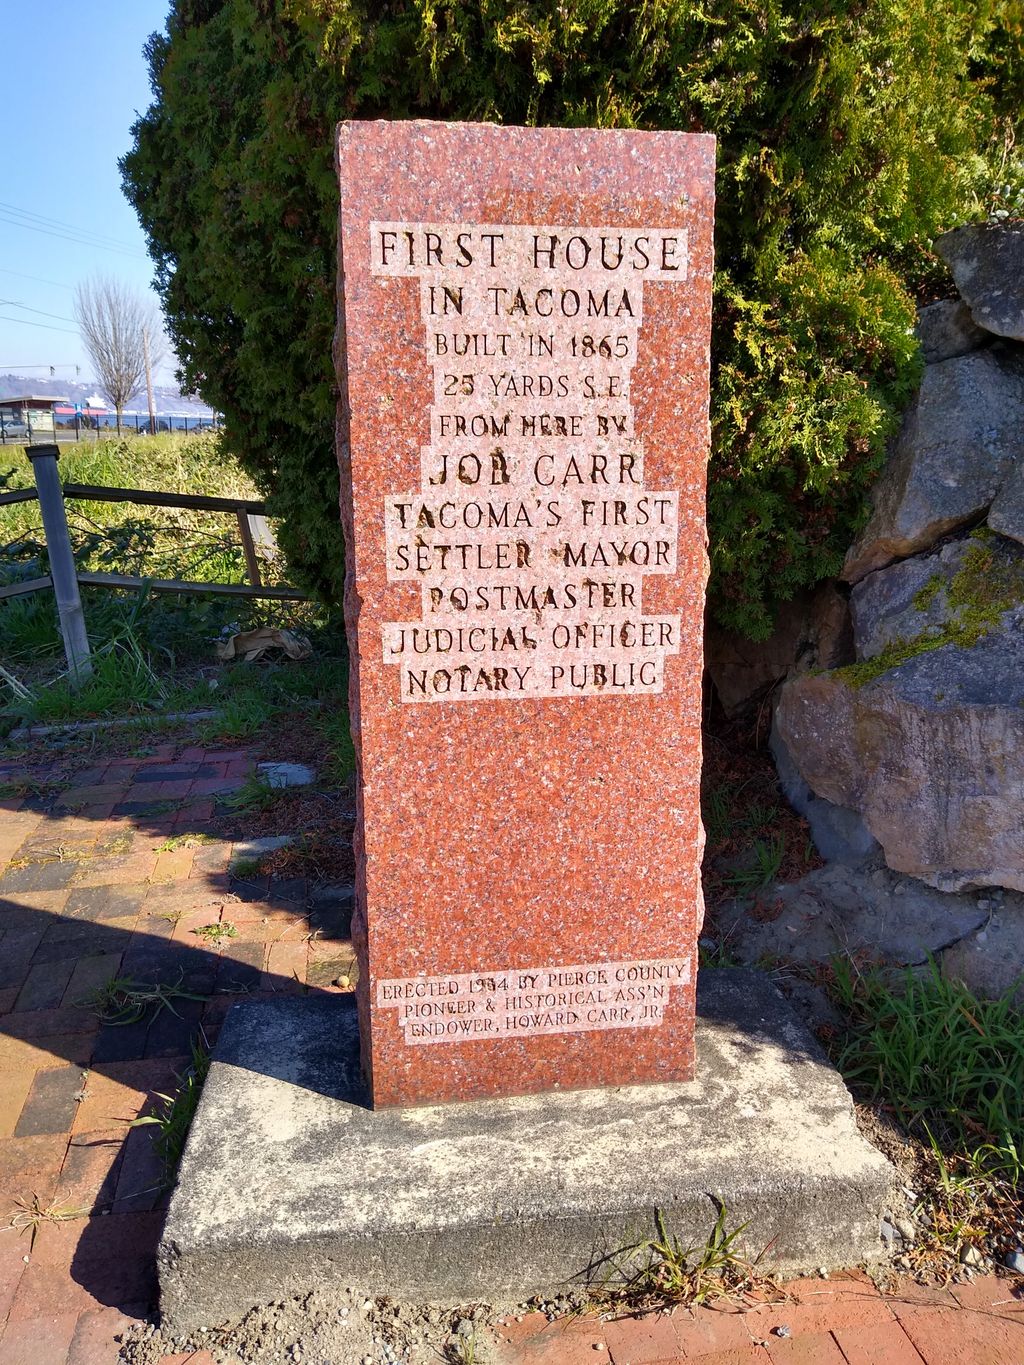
(62,560)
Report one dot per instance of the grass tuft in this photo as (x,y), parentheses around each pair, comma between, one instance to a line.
(125,1001)
(32,1214)
(672,1274)
(761,867)
(255,794)
(948,1064)
(176,1112)
(950,1067)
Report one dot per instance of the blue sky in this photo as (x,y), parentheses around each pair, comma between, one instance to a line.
(73,80)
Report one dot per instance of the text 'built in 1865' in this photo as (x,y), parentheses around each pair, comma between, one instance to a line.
(522,359)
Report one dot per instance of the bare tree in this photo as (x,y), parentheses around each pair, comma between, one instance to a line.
(117,326)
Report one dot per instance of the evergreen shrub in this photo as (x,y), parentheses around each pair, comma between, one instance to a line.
(850,133)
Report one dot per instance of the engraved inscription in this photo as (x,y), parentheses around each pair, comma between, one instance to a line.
(533,529)
(526,1002)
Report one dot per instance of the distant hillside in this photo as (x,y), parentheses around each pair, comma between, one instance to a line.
(169,400)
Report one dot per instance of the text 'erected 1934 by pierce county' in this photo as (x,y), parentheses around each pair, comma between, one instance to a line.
(532,1001)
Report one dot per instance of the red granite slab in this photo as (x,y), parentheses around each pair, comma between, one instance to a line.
(523,361)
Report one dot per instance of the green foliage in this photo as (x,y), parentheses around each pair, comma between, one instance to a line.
(122,681)
(254,796)
(339,759)
(125,1001)
(760,866)
(951,1066)
(217,932)
(116,537)
(660,1273)
(849,135)
(174,1116)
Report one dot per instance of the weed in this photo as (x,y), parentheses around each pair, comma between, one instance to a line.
(238,718)
(122,679)
(717,813)
(32,1214)
(217,932)
(672,1274)
(255,794)
(461,1350)
(25,789)
(946,1062)
(177,1111)
(245,868)
(950,1067)
(762,868)
(184,841)
(340,756)
(124,1001)
(715,949)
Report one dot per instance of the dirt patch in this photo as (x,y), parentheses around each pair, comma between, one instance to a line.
(912,1159)
(319,856)
(745,813)
(346,1327)
(319,822)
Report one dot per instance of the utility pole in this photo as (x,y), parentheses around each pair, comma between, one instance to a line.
(149,381)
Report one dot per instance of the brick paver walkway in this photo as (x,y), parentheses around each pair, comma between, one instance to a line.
(823,1322)
(98,882)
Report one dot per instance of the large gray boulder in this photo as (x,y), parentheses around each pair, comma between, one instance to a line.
(1006,515)
(906,600)
(839,834)
(959,443)
(866,912)
(930,753)
(991,961)
(987,262)
(963,586)
(946,329)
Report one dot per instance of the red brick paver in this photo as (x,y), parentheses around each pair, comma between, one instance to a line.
(841,1321)
(570,1341)
(102,883)
(876,1344)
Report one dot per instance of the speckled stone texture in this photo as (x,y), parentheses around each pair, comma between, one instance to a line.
(523,363)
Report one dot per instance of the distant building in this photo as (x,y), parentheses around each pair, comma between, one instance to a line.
(89,413)
(28,417)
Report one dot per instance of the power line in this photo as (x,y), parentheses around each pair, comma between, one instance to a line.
(67,237)
(37,278)
(13,303)
(20,365)
(32,217)
(46,326)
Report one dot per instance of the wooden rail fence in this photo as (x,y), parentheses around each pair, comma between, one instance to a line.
(65,577)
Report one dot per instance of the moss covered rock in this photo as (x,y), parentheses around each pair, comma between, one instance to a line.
(930,752)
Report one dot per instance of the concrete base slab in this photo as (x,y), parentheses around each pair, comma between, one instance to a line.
(290,1183)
